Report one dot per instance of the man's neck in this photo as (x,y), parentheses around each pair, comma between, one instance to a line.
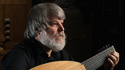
(49,53)
(47,50)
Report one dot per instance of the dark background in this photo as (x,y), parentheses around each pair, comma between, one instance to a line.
(104,18)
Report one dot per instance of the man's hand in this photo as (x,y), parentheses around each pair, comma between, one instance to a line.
(112,61)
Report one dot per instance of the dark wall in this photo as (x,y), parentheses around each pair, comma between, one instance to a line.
(108,26)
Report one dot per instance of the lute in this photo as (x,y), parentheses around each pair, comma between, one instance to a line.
(90,64)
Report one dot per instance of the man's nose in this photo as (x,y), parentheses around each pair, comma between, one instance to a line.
(61,28)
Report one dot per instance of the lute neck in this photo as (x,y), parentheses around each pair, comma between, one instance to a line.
(98,60)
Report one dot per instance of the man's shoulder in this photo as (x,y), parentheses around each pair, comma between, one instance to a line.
(24,45)
(19,51)
(17,54)
(20,47)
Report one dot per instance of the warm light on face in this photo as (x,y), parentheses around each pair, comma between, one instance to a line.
(56,30)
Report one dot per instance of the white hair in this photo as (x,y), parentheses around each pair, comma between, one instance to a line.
(39,17)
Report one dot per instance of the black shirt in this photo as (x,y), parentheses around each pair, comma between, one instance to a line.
(29,54)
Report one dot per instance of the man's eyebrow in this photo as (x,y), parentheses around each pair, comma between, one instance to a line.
(53,21)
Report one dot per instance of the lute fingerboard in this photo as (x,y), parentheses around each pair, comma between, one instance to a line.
(98,60)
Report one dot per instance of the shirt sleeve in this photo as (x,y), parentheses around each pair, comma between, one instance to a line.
(15,60)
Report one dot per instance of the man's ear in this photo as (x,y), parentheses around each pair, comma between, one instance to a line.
(37,33)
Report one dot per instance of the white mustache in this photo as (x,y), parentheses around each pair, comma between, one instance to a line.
(59,34)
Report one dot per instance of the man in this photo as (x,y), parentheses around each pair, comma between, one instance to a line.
(44,41)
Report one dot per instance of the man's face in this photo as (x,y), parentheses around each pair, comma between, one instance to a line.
(55,29)
(53,36)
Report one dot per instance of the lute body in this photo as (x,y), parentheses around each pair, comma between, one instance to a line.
(60,65)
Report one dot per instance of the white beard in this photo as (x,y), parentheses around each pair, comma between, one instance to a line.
(51,43)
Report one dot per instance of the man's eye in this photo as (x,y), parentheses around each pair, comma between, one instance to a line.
(53,23)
